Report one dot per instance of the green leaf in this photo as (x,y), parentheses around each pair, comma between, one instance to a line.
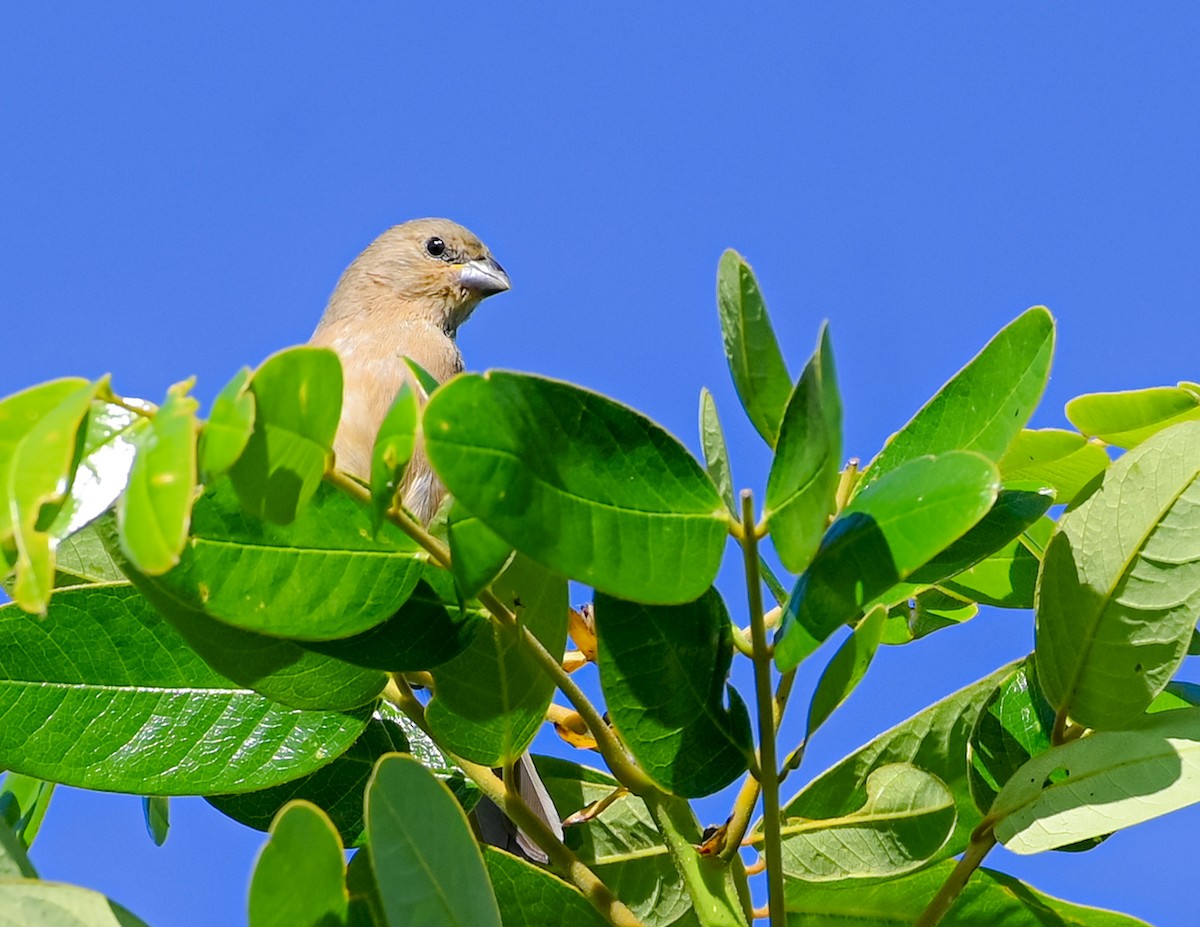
(478,554)
(985,405)
(298,399)
(802,485)
(907,817)
(1062,459)
(1011,515)
(394,447)
(716,454)
(229,427)
(366,907)
(41,440)
(1102,782)
(156,809)
(623,845)
(23,804)
(529,896)
(427,865)
(103,471)
(337,789)
(83,559)
(105,695)
(934,740)
(1120,584)
(1014,726)
(28,903)
(431,627)
(426,380)
(491,699)
(155,510)
(1126,419)
(755,361)
(14,860)
(282,670)
(1007,578)
(663,670)
(300,877)
(895,526)
(846,670)
(989,899)
(324,576)
(580,483)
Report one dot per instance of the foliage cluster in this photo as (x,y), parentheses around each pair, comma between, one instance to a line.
(209,607)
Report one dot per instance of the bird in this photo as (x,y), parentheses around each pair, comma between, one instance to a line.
(406,295)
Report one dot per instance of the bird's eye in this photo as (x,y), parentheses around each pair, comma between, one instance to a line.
(436,247)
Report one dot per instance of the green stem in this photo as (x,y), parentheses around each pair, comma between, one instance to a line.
(511,803)
(769,770)
(747,797)
(711,882)
(977,849)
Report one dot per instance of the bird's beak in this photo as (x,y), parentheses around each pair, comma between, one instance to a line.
(485,277)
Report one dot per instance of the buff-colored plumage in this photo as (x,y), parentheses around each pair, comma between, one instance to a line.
(405,295)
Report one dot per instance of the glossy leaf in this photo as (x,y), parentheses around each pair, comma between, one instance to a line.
(897,525)
(716,454)
(156,810)
(846,670)
(802,485)
(933,740)
(155,510)
(906,819)
(755,361)
(25,902)
(491,699)
(298,400)
(1102,782)
(1062,459)
(989,899)
(300,877)
(394,447)
(337,788)
(985,405)
(326,575)
(1007,578)
(41,439)
(478,554)
(229,427)
(103,470)
(622,846)
(529,896)
(1013,513)
(425,380)
(282,670)
(1128,418)
(23,804)
(1120,584)
(1014,726)
(580,483)
(428,867)
(663,670)
(431,627)
(104,694)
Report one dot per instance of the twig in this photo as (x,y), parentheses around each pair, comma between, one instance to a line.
(769,772)
(982,841)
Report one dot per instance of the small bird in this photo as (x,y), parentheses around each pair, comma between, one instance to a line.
(405,295)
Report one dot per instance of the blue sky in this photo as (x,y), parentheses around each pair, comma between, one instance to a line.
(179,190)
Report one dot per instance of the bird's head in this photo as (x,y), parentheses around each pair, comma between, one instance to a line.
(428,269)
